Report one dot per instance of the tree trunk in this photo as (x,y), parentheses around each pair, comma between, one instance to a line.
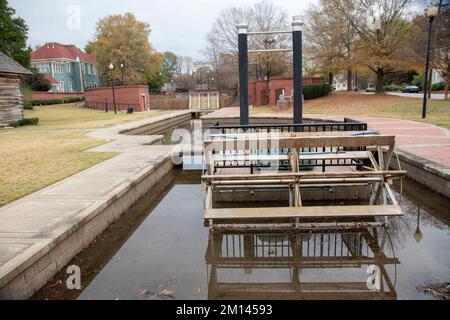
(380,81)
(349,79)
(330,78)
(446,87)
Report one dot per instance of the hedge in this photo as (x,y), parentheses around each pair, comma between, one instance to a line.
(25,122)
(55,101)
(313,91)
(438,86)
(393,88)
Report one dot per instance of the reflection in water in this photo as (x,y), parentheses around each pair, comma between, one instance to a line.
(418,234)
(237,262)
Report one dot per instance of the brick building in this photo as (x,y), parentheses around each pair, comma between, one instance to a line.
(267,92)
(136,97)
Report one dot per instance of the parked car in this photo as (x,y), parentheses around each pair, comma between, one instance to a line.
(371,89)
(411,89)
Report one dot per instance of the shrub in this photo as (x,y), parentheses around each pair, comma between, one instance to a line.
(393,88)
(27,105)
(56,101)
(438,86)
(314,91)
(37,82)
(25,122)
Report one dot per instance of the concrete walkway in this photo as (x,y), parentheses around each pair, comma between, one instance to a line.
(35,225)
(434,96)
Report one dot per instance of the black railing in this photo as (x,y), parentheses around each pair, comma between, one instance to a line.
(347,125)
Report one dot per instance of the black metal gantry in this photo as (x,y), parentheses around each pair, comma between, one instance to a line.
(297,35)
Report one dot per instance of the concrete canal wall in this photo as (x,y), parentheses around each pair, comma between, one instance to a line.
(41,233)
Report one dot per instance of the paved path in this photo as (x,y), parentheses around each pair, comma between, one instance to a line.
(434,96)
(421,139)
(31,226)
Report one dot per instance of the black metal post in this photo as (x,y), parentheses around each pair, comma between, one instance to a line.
(427,67)
(298,71)
(106,105)
(113,92)
(243,74)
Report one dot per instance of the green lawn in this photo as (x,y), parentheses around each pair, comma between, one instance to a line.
(34,157)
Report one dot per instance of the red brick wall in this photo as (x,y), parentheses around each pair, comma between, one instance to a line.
(126,96)
(273,87)
(54,95)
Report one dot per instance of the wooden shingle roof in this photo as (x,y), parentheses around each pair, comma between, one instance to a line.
(8,65)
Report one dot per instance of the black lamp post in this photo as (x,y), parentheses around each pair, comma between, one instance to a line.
(122,69)
(431,13)
(111,68)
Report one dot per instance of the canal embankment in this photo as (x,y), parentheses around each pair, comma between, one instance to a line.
(41,233)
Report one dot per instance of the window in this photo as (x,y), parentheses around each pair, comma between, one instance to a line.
(90,84)
(61,86)
(43,68)
(94,70)
(69,85)
(68,67)
(83,68)
(89,68)
(59,67)
(95,84)
(85,85)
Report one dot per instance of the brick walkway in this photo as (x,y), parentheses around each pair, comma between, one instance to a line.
(424,140)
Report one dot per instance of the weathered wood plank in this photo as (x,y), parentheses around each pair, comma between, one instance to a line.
(299,142)
(304,212)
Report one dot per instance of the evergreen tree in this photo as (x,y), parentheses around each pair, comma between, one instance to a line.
(13,35)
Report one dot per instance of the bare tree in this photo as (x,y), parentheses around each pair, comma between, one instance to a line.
(222,42)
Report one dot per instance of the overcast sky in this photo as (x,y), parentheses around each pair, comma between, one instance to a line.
(180,26)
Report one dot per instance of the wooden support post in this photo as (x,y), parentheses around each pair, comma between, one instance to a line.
(391,194)
(381,157)
(295,169)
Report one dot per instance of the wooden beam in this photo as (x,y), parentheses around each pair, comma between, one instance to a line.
(301,175)
(271,142)
(304,212)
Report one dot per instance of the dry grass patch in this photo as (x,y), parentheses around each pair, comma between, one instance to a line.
(37,156)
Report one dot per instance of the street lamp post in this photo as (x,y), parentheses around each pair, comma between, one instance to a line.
(111,68)
(122,69)
(431,13)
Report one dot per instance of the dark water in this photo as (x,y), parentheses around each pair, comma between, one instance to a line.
(172,256)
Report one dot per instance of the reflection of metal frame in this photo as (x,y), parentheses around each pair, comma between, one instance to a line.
(297,251)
